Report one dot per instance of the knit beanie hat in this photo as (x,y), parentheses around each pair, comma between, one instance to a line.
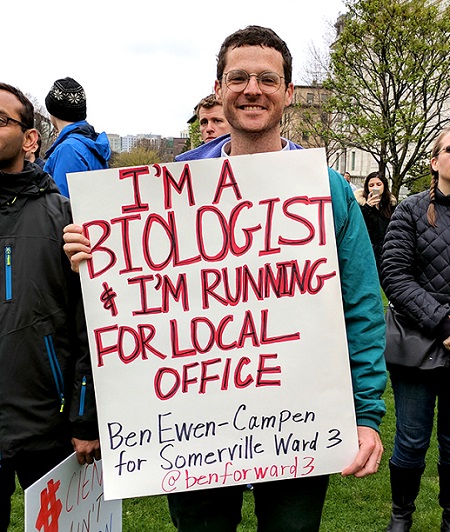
(66,100)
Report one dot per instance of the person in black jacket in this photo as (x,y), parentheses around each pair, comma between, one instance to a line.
(47,406)
(377,205)
(416,279)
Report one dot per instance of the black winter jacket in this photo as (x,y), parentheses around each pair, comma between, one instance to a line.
(376,224)
(46,389)
(416,261)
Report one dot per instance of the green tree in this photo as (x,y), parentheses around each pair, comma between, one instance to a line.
(419,178)
(389,81)
(194,134)
(307,122)
(43,125)
(136,157)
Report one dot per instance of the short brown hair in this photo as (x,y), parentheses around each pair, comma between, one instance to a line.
(255,36)
(208,102)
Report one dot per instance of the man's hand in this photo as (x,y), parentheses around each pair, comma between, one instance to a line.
(369,456)
(86,450)
(446,343)
(77,247)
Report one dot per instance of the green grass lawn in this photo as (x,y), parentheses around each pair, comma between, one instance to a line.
(359,505)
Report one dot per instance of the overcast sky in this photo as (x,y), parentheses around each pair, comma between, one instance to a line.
(144,64)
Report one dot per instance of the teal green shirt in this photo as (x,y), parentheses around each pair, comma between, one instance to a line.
(361,294)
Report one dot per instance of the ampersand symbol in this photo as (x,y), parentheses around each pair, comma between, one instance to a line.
(108,299)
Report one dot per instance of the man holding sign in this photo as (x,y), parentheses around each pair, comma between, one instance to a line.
(254,85)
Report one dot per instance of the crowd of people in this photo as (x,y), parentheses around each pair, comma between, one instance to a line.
(47,405)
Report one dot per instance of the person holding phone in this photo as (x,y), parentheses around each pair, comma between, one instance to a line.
(377,205)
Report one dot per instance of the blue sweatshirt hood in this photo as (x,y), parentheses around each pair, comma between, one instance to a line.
(97,143)
(78,148)
(213,149)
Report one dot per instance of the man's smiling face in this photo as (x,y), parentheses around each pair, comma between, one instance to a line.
(251,110)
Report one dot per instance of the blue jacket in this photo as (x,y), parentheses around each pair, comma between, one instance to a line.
(78,148)
(363,309)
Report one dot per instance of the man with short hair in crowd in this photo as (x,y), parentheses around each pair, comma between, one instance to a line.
(254,85)
(348,177)
(47,406)
(211,119)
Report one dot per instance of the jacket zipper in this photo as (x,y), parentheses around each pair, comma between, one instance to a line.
(82,397)
(8,273)
(56,369)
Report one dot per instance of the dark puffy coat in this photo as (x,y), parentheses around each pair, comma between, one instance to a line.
(416,261)
(46,391)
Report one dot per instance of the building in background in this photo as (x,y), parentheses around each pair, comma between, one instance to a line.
(169,146)
(115,142)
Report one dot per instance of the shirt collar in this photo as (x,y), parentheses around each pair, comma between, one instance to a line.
(225,152)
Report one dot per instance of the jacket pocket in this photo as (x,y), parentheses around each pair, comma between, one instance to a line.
(8,273)
(56,369)
(82,397)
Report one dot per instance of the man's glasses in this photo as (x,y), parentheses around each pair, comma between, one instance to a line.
(446,149)
(237,81)
(4,120)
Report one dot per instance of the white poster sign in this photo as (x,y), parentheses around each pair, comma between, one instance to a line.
(215,321)
(70,499)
